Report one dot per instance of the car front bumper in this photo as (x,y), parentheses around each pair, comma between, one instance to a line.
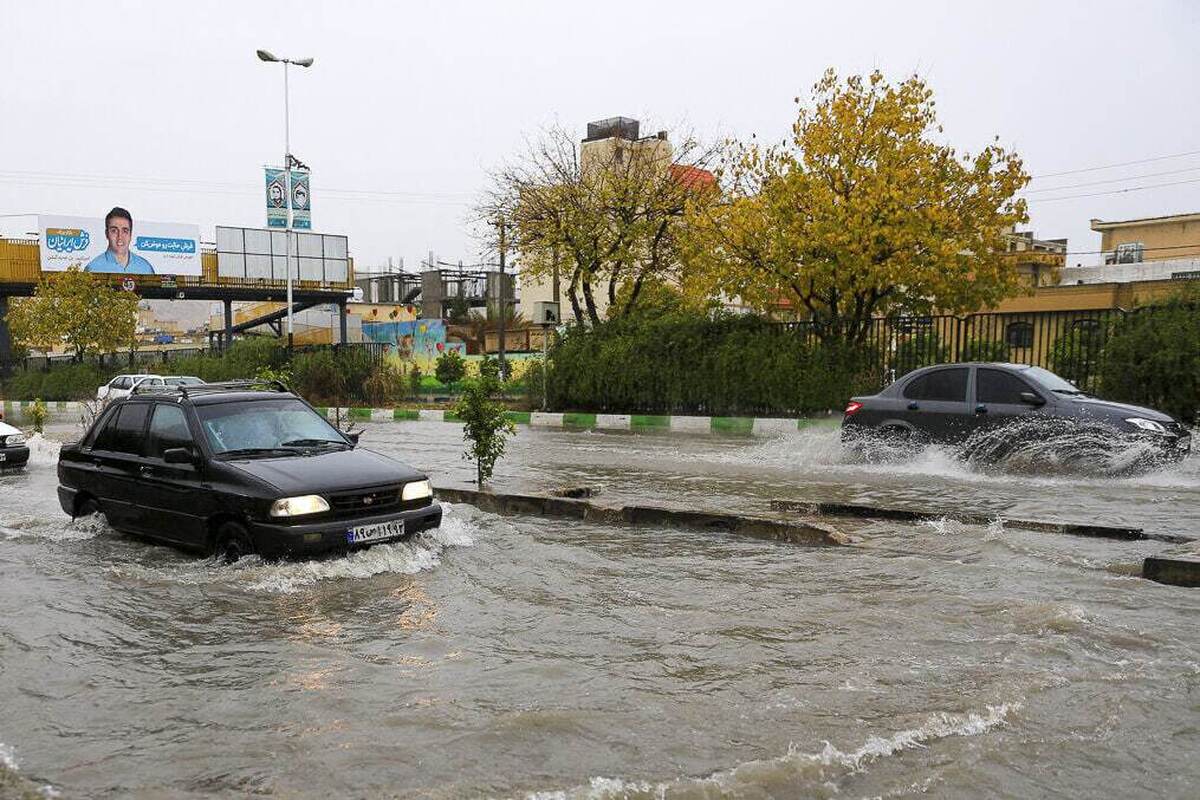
(275,541)
(11,457)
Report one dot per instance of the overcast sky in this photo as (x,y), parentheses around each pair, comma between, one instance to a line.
(163,108)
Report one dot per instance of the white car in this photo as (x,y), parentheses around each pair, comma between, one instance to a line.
(182,380)
(123,385)
(13,451)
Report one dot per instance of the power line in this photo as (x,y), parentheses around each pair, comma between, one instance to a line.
(1113,191)
(335,195)
(179,184)
(1105,252)
(1114,166)
(1112,180)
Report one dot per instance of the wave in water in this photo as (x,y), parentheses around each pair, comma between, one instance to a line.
(795,769)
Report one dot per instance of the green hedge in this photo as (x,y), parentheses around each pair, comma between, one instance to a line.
(1152,358)
(682,363)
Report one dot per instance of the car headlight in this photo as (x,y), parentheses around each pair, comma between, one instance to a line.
(299,506)
(13,439)
(416,490)
(1146,425)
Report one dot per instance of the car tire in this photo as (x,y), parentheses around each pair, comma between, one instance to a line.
(87,508)
(232,543)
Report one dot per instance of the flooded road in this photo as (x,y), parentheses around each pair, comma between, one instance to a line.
(525,657)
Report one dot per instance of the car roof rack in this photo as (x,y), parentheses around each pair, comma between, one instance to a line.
(185,391)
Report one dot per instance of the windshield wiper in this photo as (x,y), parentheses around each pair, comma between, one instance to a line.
(314,443)
(256,451)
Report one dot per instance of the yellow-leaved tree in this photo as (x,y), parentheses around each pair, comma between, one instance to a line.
(78,309)
(862,211)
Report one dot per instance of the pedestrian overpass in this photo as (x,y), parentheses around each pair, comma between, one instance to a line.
(21,269)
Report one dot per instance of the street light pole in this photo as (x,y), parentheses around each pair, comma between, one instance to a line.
(287,184)
(265,55)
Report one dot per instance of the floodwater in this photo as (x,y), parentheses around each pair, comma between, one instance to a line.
(525,657)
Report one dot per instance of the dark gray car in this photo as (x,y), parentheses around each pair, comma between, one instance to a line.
(957,403)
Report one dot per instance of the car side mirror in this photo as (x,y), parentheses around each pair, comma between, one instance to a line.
(1029,398)
(353,437)
(178,455)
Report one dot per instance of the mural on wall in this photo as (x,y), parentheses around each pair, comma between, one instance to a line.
(420,341)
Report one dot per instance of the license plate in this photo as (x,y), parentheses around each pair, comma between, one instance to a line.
(375,533)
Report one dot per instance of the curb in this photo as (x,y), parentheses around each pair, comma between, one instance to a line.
(803,533)
(582,421)
(574,421)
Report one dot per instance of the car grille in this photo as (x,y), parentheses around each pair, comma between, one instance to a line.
(370,502)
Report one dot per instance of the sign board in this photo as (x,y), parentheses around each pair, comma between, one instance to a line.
(124,247)
(276,186)
(261,253)
(276,198)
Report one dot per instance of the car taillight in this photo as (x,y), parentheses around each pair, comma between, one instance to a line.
(853,407)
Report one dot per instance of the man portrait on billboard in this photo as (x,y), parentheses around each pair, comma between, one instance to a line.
(118,229)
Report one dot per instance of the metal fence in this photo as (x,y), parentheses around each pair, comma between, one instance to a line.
(1070,343)
(159,361)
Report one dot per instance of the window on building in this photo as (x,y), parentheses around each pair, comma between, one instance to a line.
(1019,334)
(1130,253)
(947,385)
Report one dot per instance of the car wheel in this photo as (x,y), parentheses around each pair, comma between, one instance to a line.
(232,543)
(87,508)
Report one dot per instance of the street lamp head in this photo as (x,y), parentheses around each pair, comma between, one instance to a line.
(304,62)
(265,55)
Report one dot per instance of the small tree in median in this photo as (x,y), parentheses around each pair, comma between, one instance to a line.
(486,427)
(450,368)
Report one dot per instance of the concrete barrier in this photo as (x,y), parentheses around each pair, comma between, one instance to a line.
(1172,571)
(804,533)
(910,515)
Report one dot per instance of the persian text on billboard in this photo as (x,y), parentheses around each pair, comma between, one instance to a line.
(122,246)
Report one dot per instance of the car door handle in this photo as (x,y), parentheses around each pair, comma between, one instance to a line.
(914,406)
(980,409)
(146,471)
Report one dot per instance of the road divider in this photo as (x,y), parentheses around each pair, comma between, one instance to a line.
(804,533)
(912,515)
(1172,571)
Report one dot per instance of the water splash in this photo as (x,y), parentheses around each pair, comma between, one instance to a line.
(421,553)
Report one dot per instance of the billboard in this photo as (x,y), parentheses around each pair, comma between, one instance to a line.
(119,245)
(262,253)
(276,184)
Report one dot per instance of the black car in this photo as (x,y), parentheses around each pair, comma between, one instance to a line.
(232,469)
(964,403)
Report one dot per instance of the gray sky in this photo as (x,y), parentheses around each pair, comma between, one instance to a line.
(162,107)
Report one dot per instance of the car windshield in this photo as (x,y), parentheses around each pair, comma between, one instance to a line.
(267,427)
(1051,381)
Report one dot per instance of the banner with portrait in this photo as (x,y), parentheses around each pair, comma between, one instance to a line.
(118,244)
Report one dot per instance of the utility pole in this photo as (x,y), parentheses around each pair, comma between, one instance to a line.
(503,299)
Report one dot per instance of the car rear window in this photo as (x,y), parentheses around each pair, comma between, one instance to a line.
(948,385)
(1000,387)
